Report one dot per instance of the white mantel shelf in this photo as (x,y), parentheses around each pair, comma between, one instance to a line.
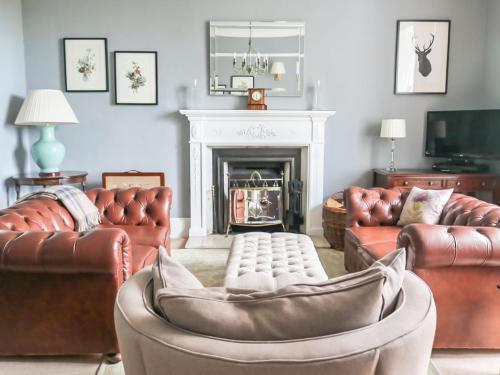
(197,113)
(214,128)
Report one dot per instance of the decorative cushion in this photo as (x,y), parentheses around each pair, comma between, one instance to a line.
(424,206)
(167,273)
(293,312)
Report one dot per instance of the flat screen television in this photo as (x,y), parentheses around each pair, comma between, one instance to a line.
(463,135)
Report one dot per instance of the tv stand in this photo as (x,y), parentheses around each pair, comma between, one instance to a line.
(460,166)
(466,183)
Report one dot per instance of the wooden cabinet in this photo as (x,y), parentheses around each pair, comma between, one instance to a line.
(467,183)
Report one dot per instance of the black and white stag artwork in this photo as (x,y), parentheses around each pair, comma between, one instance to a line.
(422,50)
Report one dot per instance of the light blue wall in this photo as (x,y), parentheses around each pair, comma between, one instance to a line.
(349,46)
(492,62)
(13,140)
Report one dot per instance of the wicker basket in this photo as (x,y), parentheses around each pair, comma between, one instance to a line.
(334,221)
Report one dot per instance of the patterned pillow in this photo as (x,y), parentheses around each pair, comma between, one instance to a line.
(424,206)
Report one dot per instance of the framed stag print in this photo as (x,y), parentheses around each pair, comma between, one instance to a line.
(86,64)
(136,77)
(422,53)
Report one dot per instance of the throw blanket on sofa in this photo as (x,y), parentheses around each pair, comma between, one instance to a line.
(84,212)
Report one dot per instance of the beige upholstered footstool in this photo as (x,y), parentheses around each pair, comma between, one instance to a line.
(268,261)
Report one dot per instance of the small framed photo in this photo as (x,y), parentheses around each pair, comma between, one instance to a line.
(125,180)
(243,83)
(86,64)
(136,77)
(220,87)
(422,53)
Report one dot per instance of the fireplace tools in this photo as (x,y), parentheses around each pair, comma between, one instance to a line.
(294,216)
(255,201)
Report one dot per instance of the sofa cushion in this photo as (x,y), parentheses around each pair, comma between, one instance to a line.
(373,243)
(167,273)
(372,235)
(424,206)
(293,312)
(143,234)
(142,256)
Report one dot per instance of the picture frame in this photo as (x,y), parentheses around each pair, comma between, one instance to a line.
(242,82)
(220,86)
(129,179)
(136,77)
(86,64)
(422,57)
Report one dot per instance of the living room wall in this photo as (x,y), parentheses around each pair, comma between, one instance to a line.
(492,61)
(349,46)
(13,140)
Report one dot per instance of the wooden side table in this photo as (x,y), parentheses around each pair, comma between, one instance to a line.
(63,178)
(465,183)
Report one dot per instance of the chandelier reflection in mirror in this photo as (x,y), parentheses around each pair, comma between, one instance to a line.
(251,61)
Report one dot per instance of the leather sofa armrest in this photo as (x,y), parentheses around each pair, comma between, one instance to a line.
(429,246)
(101,250)
(373,207)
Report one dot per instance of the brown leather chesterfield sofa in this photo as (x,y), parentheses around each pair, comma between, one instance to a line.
(459,258)
(57,286)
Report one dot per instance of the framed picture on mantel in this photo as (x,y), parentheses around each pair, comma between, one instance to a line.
(85,64)
(136,77)
(422,52)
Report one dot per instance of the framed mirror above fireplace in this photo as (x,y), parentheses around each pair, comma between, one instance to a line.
(256,54)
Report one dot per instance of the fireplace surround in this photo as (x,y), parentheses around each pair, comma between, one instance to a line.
(214,130)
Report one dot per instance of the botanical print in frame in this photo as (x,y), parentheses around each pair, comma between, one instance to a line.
(136,77)
(422,53)
(241,82)
(86,64)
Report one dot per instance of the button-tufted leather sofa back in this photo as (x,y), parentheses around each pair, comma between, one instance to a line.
(469,211)
(42,214)
(374,207)
(133,206)
(378,206)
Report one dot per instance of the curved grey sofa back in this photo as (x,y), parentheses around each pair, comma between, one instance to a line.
(399,344)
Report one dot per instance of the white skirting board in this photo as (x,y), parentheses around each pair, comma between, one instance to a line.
(179,227)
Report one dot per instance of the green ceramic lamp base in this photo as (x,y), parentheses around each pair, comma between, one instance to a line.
(48,153)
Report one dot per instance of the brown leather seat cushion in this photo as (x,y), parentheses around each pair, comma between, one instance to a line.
(371,235)
(142,256)
(377,242)
(143,234)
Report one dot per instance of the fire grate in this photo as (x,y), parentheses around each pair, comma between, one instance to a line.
(255,201)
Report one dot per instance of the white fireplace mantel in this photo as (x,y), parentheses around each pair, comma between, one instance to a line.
(211,129)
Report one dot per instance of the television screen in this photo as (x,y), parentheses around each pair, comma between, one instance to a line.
(463,134)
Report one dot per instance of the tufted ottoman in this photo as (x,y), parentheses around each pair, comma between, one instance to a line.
(268,261)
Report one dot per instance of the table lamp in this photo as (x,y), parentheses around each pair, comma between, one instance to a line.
(392,129)
(46,109)
(278,69)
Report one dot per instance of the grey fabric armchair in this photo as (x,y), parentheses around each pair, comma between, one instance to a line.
(399,344)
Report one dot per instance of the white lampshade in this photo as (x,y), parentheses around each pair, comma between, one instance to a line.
(393,128)
(42,107)
(278,68)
